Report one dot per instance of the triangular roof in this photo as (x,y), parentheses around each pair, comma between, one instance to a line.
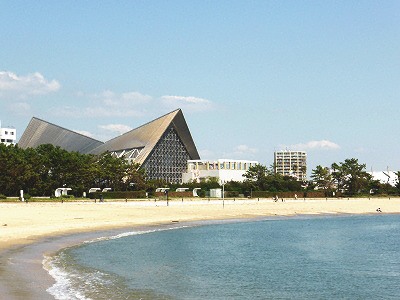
(39,132)
(148,135)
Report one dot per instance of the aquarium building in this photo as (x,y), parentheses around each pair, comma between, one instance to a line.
(161,147)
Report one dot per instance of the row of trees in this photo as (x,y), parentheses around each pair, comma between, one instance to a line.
(41,170)
(350,177)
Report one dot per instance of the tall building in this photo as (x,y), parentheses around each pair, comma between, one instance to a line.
(8,135)
(161,147)
(291,163)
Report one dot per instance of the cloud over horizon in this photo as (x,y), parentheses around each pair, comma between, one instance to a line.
(315,145)
(131,104)
(12,85)
(190,103)
(241,152)
(118,128)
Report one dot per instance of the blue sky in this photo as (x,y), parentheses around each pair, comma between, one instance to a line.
(251,77)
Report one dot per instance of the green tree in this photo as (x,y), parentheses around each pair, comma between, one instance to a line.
(135,177)
(322,178)
(351,177)
(13,166)
(256,177)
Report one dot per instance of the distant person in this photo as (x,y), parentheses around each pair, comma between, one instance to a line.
(378,209)
(295,196)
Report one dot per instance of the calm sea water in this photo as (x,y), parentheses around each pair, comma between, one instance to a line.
(346,257)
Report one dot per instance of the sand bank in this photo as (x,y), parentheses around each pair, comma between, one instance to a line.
(22,223)
(30,230)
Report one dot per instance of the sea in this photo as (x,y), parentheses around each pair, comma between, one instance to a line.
(307,257)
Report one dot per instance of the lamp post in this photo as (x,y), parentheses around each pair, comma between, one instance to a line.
(166,193)
(223,195)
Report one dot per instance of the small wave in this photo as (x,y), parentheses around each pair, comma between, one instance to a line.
(62,288)
(74,283)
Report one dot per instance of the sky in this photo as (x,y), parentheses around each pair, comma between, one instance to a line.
(251,77)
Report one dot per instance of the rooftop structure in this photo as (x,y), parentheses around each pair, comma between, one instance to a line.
(291,163)
(162,147)
(40,132)
(224,169)
(8,135)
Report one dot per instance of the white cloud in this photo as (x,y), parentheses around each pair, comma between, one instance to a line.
(129,99)
(315,145)
(85,133)
(187,103)
(241,152)
(20,108)
(109,104)
(119,128)
(244,149)
(23,86)
(207,154)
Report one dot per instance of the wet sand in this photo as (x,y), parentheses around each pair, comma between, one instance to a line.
(28,231)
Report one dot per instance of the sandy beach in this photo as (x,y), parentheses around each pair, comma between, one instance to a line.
(30,230)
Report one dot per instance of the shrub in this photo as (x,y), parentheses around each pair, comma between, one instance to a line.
(119,195)
(231,194)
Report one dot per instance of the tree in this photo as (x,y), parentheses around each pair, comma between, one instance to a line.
(322,178)
(112,171)
(398,181)
(134,177)
(351,177)
(256,176)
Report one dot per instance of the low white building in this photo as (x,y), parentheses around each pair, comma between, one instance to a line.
(385,177)
(8,135)
(224,169)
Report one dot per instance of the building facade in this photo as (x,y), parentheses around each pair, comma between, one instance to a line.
(8,135)
(224,169)
(161,147)
(385,177)
(291,163)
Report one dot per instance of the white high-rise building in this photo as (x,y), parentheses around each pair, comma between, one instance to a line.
(8,135)
(291,163)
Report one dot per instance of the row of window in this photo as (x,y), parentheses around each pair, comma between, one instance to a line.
(11,132)
(223,166)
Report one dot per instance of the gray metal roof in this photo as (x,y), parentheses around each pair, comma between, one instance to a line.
(148,135)
(40,132)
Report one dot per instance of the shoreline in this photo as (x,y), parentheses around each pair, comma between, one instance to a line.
(37,229)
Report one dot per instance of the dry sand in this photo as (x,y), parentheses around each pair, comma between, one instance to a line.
(30,230)
(22,223)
